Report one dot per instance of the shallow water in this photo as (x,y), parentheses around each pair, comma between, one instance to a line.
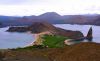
(84,29)
(15,39)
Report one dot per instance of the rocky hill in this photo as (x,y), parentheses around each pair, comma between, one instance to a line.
(38,27)
(51,17)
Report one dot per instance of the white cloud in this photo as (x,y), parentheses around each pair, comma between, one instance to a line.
(15,2)
(36,7)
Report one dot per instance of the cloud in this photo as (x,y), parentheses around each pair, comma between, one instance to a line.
(36,7)
(15,2)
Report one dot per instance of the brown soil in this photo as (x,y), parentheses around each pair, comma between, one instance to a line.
(78,52)
(86,51)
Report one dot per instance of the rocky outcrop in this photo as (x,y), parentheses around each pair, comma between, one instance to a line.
(89,35)
(88,38)
(39,27)
(69,33)
(17,29)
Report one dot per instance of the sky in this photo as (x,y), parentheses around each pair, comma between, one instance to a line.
(37,7)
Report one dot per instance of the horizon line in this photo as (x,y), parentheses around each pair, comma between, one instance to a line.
(52,12)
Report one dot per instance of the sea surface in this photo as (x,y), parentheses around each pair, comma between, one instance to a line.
(15,39)
(84,29)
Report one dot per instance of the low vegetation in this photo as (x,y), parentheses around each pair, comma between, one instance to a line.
(85,51)
(53,41)
(30,47)
(49,42)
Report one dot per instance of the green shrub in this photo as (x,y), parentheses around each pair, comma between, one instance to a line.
(53,41)
(30,47)
(50,41)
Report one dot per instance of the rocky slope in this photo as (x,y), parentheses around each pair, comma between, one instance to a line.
(86,51)
(38,27)
(17,29)
(51,17)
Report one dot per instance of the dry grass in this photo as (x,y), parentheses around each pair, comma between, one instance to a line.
(86,51)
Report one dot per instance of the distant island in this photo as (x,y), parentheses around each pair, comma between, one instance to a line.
(51,17)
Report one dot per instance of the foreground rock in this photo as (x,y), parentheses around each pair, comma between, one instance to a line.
(86,51)
(38,27)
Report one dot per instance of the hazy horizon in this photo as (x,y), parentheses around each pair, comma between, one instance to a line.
(37,7)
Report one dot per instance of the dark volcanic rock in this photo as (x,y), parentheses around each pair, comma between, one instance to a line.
(38,27)
(69,33)
(89,35)
(17,29)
